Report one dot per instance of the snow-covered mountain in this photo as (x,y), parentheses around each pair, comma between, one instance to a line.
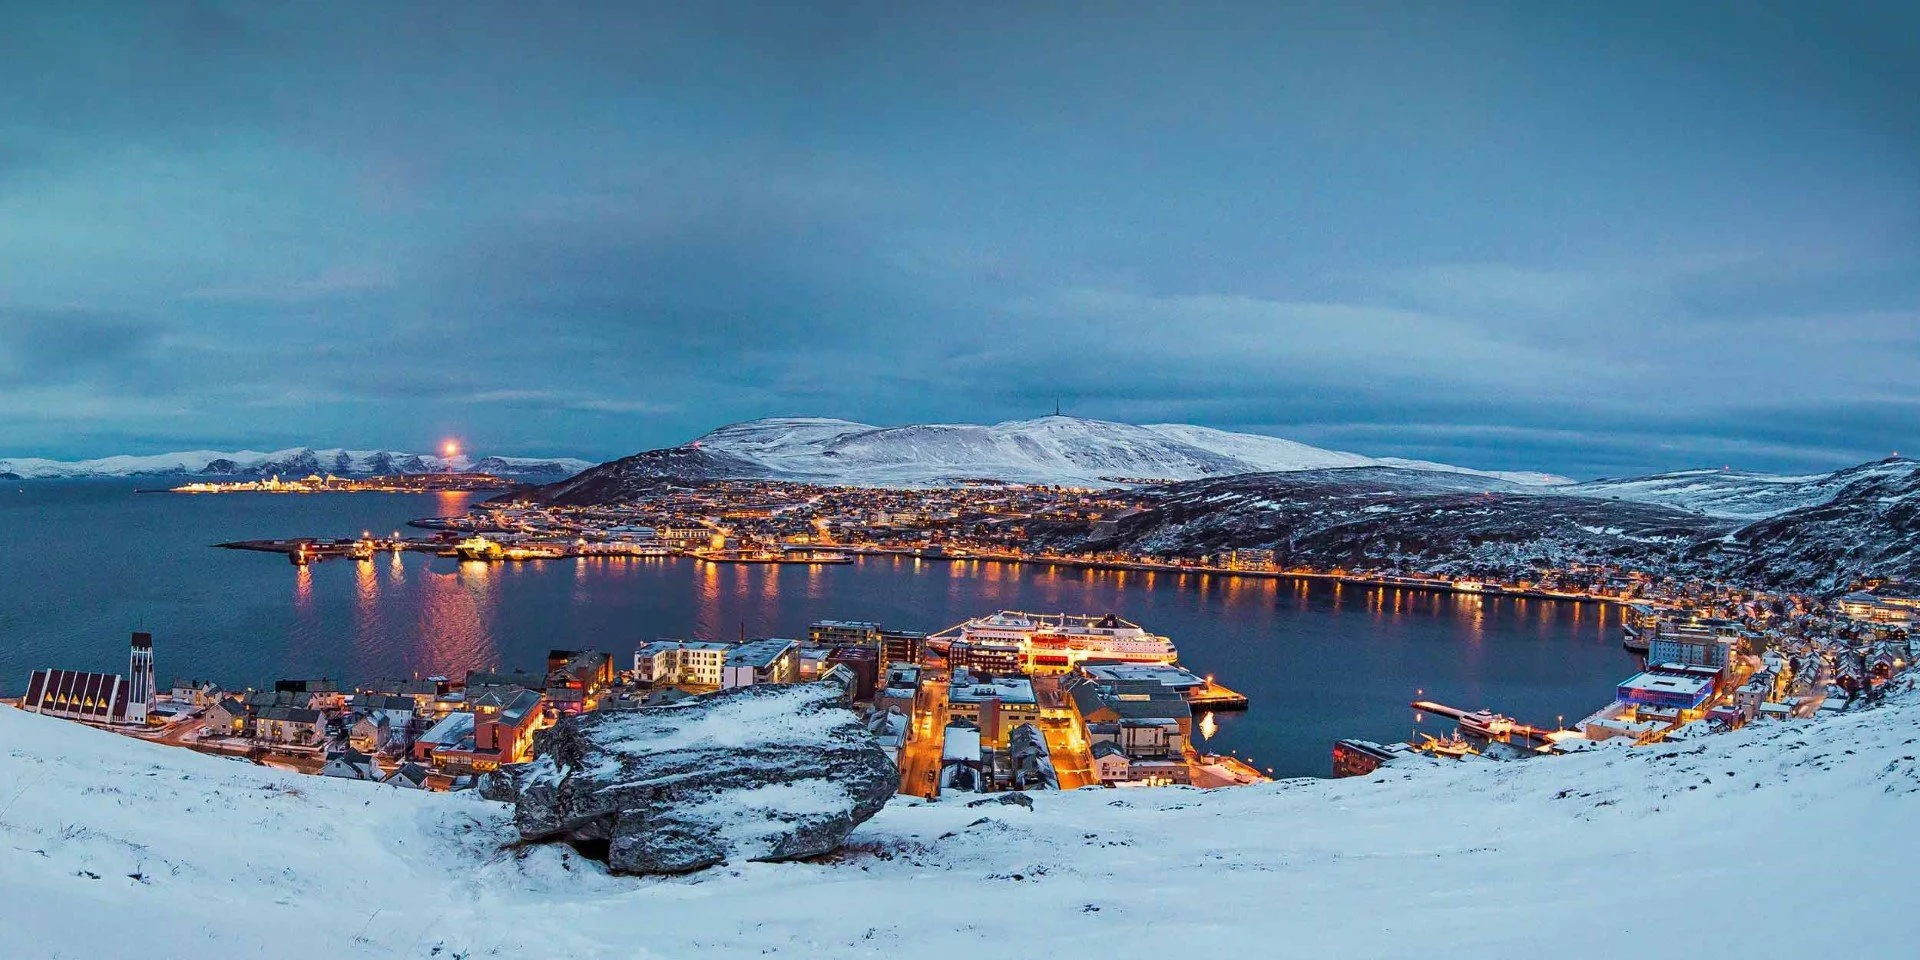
(292,462)
(1050,450)
(111,846)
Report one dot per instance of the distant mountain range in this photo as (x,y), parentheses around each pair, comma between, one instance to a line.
(1068,451)
(1817,533)
(294,462)
(1211,489)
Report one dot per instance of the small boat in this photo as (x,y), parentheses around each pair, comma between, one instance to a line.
(1454,745)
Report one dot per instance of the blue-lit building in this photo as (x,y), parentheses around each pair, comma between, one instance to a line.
(1665,690)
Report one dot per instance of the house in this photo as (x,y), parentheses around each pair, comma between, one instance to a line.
(350,765)
(889,729)
(408,776)
(198,693)
(1155,738)
(1110,763)
(960,766)
(370,733)
(1031,760)
(320,694)
(227,717)
(289,725)
(576,678)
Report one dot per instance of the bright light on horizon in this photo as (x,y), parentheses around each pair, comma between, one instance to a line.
(450,449)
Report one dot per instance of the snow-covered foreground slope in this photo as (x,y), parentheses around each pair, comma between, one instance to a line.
(1786,840)
(290,462)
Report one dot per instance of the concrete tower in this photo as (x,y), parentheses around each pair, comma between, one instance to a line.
(140,679)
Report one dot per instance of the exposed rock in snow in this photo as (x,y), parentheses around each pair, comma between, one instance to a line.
(1738,494)
(757,773)
(293,462)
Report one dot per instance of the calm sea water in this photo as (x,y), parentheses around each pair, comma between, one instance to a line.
(84,563)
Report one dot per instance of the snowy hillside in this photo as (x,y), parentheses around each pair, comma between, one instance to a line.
(1052,450)
(295,461)
(1780,840)
(1738,494)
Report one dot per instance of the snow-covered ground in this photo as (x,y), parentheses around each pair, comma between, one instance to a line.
(1055,450)
(294,460)
(1738,494)
(1781,840)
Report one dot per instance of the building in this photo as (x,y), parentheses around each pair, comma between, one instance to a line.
(227,717)
(295,725)
(1872,608)
(501,733)
(1030,759)
(691,662)
(901,646)
(993,705)
(72,695)
(1158,738)
(141,687)
(772,660)
(97,697)
(451,729)
(1111,702)
(576,678)
(1663,690)
(865,664)
(1357,758)
(960,766)
(370,733)
(843,633)
(351,765)
(1703,642)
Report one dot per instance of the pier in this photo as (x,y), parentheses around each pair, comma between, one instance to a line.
(1484,723)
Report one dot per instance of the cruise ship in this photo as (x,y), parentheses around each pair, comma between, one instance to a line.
(1046,643)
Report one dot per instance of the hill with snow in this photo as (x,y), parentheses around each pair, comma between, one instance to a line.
(1740,494)
(291,462)
(1786,839)
(1070,451)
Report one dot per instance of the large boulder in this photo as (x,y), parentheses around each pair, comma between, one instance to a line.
(757,773)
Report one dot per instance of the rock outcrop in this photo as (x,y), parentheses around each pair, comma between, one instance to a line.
(758,773)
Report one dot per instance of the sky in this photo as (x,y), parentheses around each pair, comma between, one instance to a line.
(1591,238)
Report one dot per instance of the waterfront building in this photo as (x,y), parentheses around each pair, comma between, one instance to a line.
(692,662)
(1108,702)
(1665,690)
(772,660)
(1702,641)
(1156,738)
(843,633)
(451,729)
(1047,644)
(576,678)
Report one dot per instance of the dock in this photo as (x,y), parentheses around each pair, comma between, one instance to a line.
(1508,728)
(1214,696)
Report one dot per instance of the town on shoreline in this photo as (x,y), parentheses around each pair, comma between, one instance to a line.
(1005,701)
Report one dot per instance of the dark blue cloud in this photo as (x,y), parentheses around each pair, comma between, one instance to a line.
(1599,240)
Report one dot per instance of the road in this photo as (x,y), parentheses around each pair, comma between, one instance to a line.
(1066,736)
(920,758)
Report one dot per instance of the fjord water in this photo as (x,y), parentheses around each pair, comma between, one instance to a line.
(84,563)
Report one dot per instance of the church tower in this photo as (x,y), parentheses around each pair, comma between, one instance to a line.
(140,679)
